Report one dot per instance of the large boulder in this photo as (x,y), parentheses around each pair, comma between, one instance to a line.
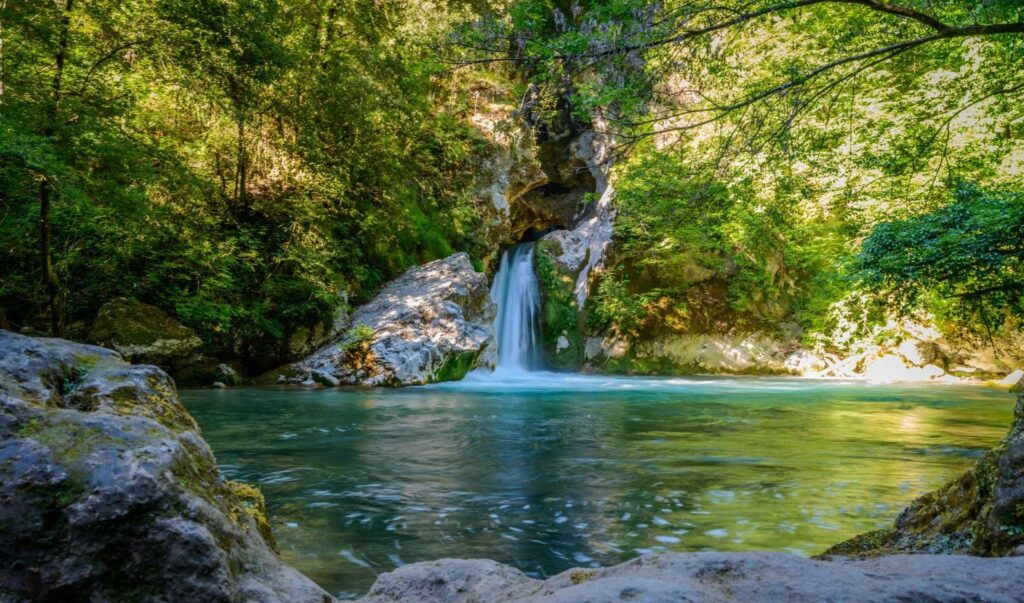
(979,513)
(144,334)
(712,578)
(109,493)
(430,324)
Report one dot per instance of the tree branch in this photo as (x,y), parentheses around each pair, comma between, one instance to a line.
(942,30)
(719,111)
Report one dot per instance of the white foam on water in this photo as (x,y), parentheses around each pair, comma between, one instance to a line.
(517,325)
(348,555)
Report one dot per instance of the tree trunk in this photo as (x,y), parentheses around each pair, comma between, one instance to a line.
(49,274)
(242,162)
(50,278)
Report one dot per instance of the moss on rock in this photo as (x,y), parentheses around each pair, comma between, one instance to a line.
(143,333)
(455,367)
(108,492)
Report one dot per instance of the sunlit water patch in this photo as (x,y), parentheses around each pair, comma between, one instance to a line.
(564,470)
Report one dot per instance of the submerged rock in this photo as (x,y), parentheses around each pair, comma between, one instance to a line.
(109,493)
(430,324)
(713,577)
(979,513)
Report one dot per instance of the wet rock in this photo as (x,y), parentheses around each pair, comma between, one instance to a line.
(430,324)
(205,371)
(108,492)
(980,513)
(713,577)
(582,249)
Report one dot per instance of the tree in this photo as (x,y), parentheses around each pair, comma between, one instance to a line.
(236,43)
(628,45)
(970,252)
(66,49)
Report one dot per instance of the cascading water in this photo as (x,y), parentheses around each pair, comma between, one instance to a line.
(517,326)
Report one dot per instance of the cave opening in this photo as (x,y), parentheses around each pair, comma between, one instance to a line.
(533,234)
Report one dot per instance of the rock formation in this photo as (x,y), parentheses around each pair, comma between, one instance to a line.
(713,577)
(109,493)
(430,324)
(144,334)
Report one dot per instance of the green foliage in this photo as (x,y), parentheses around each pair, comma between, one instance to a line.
(356,337)
(613,304)
(760,155)
(970,252)
(559,314)
(236,162)
(686,243)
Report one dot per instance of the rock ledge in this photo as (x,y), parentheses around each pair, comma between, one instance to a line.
(714,577)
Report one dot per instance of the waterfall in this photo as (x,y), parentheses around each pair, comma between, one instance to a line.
(517,326)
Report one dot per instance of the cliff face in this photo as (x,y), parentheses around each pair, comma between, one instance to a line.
(109,493)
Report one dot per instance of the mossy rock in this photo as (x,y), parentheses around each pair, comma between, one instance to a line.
(455,367)
(142,333)
(110,493)
(631,364)
(206,371)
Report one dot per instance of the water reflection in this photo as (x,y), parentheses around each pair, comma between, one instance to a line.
(590,472)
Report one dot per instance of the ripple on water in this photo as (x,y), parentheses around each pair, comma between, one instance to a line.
(539,475)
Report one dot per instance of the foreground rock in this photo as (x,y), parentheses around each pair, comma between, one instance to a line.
(979,513)
(430,324)
(711,577)
(108,492)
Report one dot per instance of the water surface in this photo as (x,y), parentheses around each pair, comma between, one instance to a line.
(558,471)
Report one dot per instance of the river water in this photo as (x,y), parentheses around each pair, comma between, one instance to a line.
(548,471)
(557,471)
